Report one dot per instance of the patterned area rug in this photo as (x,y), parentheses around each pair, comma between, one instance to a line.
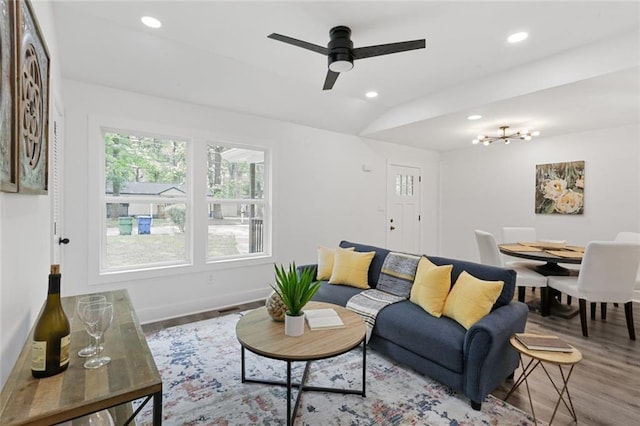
(200,368)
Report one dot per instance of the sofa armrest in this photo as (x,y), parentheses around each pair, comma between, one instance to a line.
(312,266)
(488,356)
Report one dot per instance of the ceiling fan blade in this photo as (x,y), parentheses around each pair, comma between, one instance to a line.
(330,80)
(299,43)
(386,49)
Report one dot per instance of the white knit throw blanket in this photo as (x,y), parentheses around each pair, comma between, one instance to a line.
(368,303)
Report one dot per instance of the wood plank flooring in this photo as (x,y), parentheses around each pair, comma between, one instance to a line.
(604,386)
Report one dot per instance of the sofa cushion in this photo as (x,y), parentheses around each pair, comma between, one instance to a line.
(431,286)
(336,294)
(483,272)
(438,339)
(351,268)
(471,299)
(397,274)
(325,262)
(376,263)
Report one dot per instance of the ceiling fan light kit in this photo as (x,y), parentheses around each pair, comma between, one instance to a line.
(340,46)
(340,52)
(505,136)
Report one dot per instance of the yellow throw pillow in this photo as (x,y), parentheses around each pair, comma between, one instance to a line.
(351,268)
(325,262)
(431,286)
(471,299)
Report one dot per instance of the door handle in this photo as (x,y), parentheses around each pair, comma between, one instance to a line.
(392,228)
(63,241)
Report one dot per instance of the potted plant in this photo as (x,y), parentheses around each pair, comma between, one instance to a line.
(295,289)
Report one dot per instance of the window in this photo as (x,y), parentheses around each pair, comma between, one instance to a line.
(146,202)
(236,202)
(404,185)
(169,202)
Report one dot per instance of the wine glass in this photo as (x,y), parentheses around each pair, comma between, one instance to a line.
(100,418)
(82,303)
(98,317)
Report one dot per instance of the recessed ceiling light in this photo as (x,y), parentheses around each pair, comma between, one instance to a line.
(371,94)
(474,117)
(517,37)
(151,22)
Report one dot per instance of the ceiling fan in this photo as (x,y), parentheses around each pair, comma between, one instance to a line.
(341,53)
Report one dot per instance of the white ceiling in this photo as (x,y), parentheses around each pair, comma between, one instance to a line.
(579,69)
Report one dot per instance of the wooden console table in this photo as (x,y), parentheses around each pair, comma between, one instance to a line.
(131,375)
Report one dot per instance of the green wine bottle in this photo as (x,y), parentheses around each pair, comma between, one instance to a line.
(51,336)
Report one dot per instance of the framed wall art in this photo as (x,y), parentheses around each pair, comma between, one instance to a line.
(8,87)
(560,188)
(32,102)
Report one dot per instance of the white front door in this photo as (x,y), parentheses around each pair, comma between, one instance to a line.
(403,208)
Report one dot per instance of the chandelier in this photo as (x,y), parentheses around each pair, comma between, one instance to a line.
(505,136)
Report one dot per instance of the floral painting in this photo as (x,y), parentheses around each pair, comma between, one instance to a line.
(560,188)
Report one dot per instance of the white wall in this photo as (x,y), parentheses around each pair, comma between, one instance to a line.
(320,196)
(25,236)
(491,187)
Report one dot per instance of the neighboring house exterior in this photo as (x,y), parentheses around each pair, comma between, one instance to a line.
(141,189)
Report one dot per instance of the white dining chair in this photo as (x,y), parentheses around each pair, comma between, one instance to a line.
(632,237)
(608,274)
(490,255)
(516,234)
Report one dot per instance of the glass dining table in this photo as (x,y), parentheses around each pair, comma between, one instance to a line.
(553,254)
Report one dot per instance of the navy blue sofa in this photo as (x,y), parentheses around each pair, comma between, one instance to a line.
(473,362)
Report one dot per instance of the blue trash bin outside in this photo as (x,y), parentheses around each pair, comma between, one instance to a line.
(144,224)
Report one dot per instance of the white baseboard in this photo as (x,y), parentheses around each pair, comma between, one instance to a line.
(161,313)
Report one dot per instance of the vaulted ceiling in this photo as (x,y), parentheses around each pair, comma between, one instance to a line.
(578,70)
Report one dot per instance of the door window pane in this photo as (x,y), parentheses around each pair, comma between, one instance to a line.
(404,185)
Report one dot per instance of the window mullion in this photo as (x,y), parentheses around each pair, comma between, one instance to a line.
(199,205)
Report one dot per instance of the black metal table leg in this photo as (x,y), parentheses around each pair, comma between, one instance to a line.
(364,369)
(301,385)
(157,408)
(289,419)
(242,363)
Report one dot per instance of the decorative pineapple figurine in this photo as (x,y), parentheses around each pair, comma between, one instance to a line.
(275,307)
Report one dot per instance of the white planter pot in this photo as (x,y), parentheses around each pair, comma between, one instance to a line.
(293,325)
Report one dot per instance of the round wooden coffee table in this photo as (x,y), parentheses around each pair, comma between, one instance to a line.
(539,358)
(258,333)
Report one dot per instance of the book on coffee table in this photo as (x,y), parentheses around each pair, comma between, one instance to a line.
(322,319)
(543,343)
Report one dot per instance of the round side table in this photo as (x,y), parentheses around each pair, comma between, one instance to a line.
(540,358)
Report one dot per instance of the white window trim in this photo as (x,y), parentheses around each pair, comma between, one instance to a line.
(196,184)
